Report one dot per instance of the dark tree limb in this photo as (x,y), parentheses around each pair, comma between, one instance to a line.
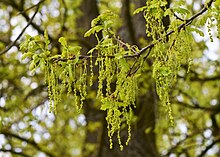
(178,144)
(195,104)
(198,107)
(25,15)
(22,7)
(209,147)
(22,32)
(14,152)
(213,78)
(29,141)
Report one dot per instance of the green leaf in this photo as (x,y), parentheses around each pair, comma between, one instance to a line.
(28,37)
(37,38)
(96,21)
(28,54)
(47,41)
(168,12)
(42,64)
(148,130)
(106,104)
(196,30)
(202,20)
(23,46)
(47,53)
(108,24)
(43,55)
(70,70)
(137,75)
(32,65)
(138,10)
(55,57)
(93,30)
(163,3)
(74,49)
(64,52)
(124,65)
(182,11)
(36,60)
(76,58)
(32,46)
(121,104)
(62,41)
(118,56)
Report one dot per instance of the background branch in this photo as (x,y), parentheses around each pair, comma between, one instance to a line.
(31,142)
(19,36)
(14,152)
(209,147)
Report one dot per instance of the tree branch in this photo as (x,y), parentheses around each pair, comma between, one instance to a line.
(195,103)
(36,5)
(23,13)
(186,23)
(178,144)
(14,152)
(210,109)
(213,78)
(19,36)
(209,147)
(150,46)
(31,142)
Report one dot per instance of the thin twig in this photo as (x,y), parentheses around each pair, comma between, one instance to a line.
(29,141)
(19,36)
(177,17)
(209,147)
(14,152)
(33,6)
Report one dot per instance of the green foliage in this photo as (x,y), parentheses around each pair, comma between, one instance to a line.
(105,22)
(116,90)
(169,54)
(67,72)
(56,68)
(153,15)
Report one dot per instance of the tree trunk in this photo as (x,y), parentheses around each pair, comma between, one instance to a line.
(142,144)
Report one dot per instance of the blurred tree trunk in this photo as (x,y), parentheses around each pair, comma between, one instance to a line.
(89,11)
(93,116)
(142,144)
(133,26)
